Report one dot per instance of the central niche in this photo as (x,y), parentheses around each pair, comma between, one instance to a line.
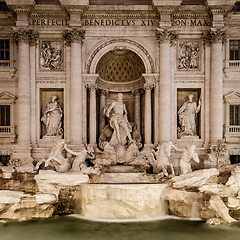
(120,65)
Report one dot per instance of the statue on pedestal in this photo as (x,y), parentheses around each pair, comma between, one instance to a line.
(187,117)
(52,118)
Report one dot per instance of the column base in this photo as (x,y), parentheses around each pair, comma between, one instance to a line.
(148,145)
(93,145)
(22,154)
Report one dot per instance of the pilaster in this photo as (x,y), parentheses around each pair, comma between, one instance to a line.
(216,37)
(74,38)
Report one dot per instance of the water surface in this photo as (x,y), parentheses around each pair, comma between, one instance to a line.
(68,228)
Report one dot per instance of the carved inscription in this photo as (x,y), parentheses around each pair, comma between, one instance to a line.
(190,22)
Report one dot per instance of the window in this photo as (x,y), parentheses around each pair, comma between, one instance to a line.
(234,114)
(234,49)
(4,115)
(4,50)
(7,126)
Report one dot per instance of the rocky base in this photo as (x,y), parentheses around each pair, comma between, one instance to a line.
(212,193)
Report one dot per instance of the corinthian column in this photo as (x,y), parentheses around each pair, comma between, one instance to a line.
(102,124)
(92,116)
(216,85)
(148,115)
(164,37)
(22,38)
(74,37)
(137,95)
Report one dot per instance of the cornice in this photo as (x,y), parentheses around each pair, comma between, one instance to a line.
(113,15)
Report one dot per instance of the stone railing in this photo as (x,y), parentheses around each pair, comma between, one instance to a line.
(232,129)
(4,63)
(8,132)
(233,64)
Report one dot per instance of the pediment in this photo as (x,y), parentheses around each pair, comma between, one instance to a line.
(233,96)
(6,96)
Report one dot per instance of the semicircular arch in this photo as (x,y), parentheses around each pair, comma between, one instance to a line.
(100,49)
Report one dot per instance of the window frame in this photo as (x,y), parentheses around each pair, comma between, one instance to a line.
(8,132)
(5,62)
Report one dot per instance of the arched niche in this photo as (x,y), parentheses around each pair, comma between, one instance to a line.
(102,48)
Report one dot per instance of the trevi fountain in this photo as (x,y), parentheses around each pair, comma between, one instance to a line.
(119,119)
(122,180)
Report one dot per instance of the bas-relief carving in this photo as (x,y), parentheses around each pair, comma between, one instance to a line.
(187,117)
(188,56)
(51,56)
(52,118)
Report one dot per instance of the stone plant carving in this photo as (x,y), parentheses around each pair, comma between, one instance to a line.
(52,118)
(219,154)
(51,55)
(62,164)
(188,56)
(187,117)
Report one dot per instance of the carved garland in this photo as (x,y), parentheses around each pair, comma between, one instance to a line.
(120,40)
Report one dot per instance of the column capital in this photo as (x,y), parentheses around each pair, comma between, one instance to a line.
(92,86)
(148,86)
(215,35)
(103,92)
(166,35)
(137,92)
(25,35)
(74,35)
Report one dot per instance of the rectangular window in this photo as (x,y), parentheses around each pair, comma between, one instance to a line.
(4,50)
(4,115)
(234,46)
(234,114)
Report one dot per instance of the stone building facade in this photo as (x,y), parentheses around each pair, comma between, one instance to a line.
(156,52)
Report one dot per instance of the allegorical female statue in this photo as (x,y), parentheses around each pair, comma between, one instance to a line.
(52,118)
(187,117)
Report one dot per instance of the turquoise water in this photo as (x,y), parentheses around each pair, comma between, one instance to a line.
(67,228)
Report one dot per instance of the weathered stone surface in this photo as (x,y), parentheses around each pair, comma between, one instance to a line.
(49,181)
(121,201)
(181,202)
(126,178)
(194,180)
(16,205)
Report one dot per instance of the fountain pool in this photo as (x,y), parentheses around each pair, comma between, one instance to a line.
(70,227)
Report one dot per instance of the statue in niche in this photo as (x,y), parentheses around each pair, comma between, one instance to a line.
(117,114)
(52,118)
(187,117)
(188,56)
(51,55)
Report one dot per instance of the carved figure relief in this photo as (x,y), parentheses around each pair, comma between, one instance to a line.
(188,56)
(52,117)
(51,56)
